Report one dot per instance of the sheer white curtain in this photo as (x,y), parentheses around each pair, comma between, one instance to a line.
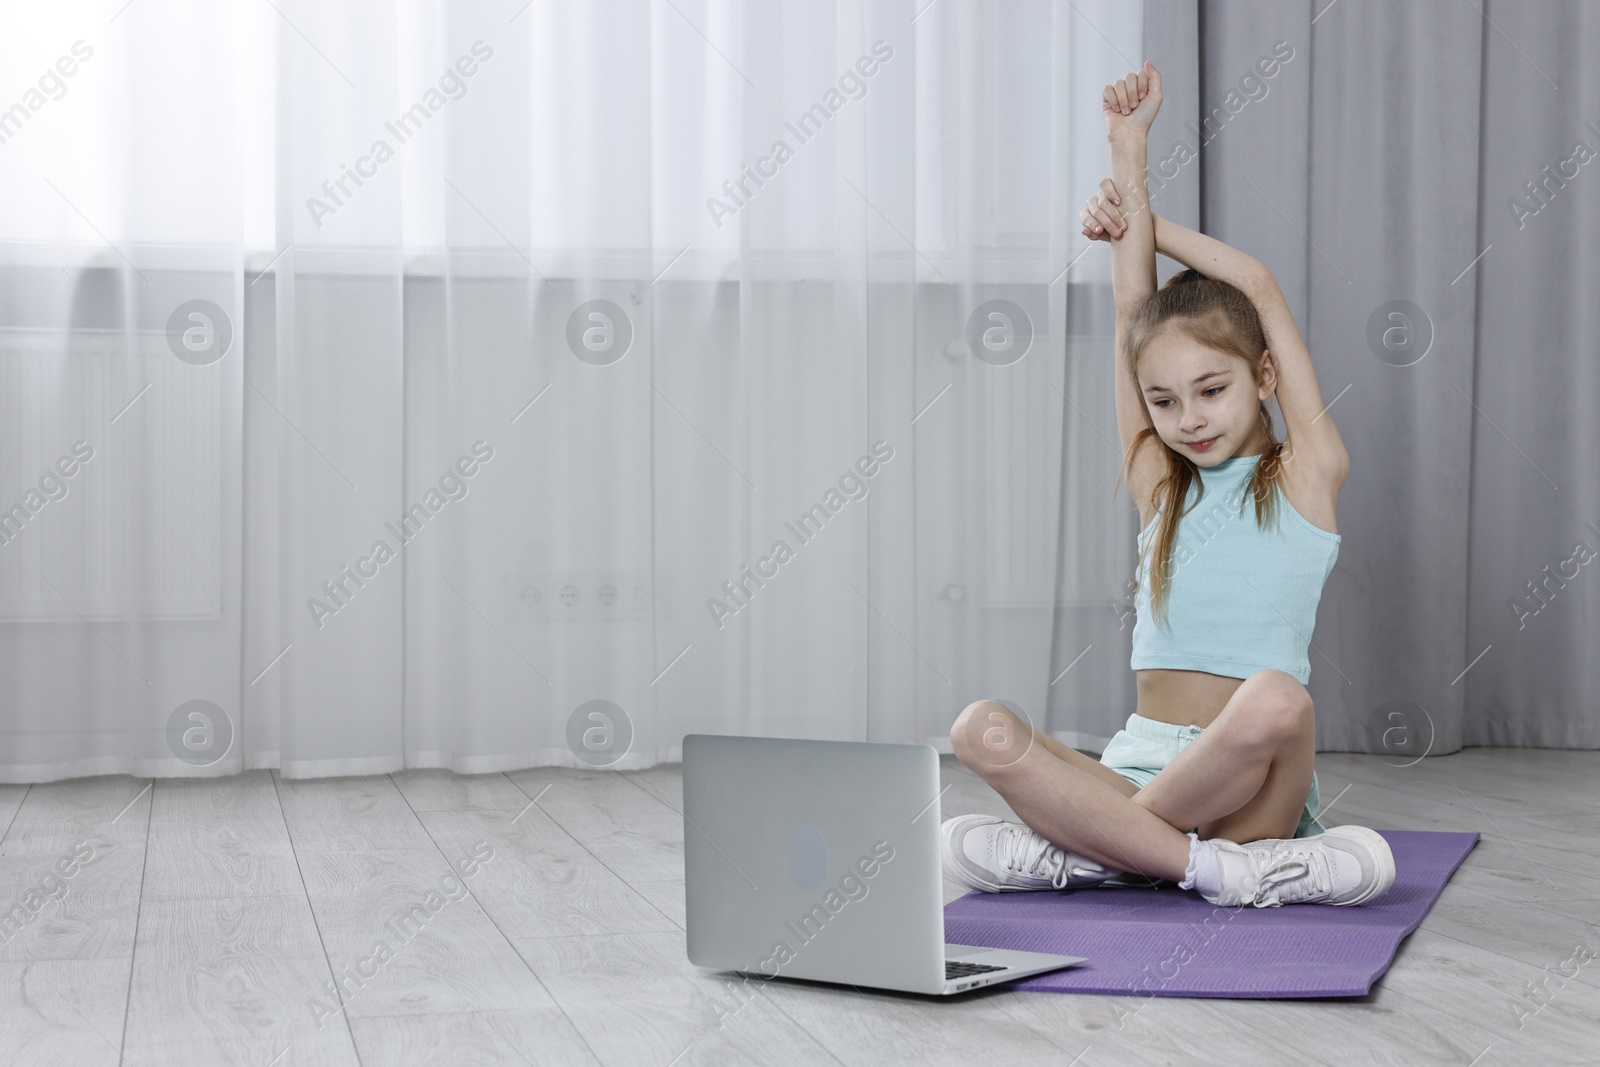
(493,385)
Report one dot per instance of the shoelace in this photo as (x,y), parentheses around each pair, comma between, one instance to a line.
(1024,850)
(1294,875)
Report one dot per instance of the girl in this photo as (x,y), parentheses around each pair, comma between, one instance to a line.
(1212,782)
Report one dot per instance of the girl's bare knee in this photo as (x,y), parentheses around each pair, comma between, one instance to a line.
(961,729)
(987,736)
(1290,715)
(1270,710)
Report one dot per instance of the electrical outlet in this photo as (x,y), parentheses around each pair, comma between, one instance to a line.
(573,595)
(620,594)
(526,595)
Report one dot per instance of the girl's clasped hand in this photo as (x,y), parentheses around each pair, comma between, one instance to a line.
(1130,107)
(1102,216)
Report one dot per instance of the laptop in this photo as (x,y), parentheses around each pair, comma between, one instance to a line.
(820,860)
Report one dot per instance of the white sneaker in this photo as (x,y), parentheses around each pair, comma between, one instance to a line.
(1346,865)
(988,853)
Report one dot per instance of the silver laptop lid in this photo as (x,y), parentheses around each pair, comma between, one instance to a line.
(814,859)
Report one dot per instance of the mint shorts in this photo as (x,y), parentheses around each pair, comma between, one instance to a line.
(1144,746)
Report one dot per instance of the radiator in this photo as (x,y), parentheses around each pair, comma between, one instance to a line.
(138,533)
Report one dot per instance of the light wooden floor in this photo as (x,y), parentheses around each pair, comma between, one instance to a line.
(206,915)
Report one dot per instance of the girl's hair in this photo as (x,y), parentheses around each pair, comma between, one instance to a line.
(1218,315)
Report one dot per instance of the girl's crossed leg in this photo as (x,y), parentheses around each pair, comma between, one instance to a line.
(1244,778)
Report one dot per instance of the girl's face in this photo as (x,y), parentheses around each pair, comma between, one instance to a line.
(1203,403)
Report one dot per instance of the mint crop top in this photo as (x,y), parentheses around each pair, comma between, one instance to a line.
(1241,598)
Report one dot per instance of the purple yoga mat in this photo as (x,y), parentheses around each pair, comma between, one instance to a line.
(1171,942)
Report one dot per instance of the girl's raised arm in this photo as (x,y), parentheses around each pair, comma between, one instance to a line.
(1311,439)
(1130,106)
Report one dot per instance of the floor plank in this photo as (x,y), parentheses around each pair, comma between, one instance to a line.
(63,1011)
(632,999)
(343,814)
(227,839)
(541,881)
(404,935)
(522,1037)
(629,828)
(436,790)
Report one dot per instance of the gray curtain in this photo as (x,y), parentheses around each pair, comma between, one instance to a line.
(1424,180)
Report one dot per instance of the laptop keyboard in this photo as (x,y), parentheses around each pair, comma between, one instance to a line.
(957,969)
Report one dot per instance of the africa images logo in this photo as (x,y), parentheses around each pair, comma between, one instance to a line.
(852,85)
(452,86)
(853,485)
(453,485)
